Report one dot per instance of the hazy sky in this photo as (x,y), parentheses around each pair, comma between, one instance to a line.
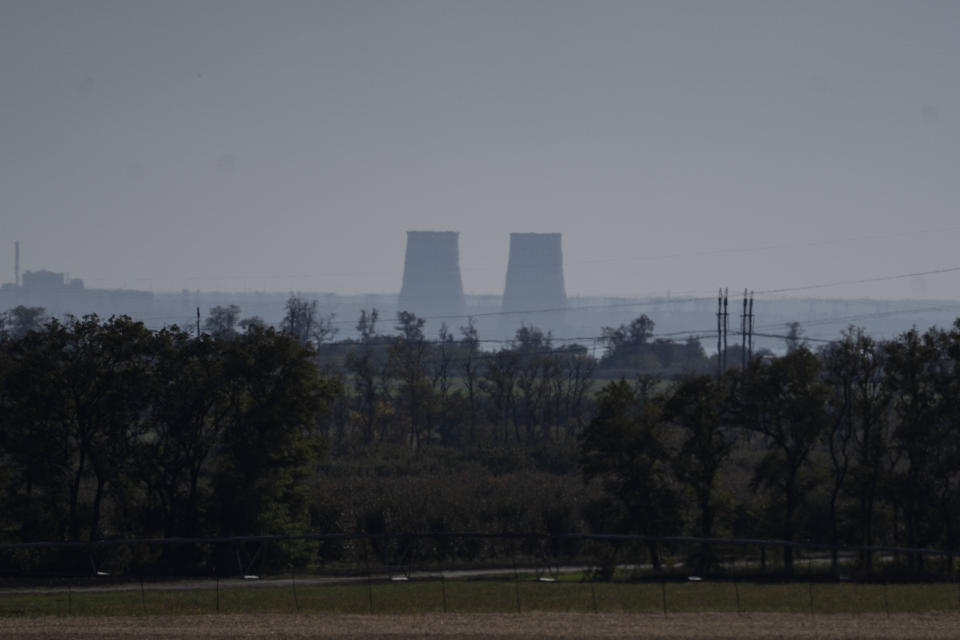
(677,146)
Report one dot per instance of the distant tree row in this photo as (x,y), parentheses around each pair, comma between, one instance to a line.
(857,444)
(110,429)
(406,389)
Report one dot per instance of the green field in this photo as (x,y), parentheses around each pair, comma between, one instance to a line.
(489,596)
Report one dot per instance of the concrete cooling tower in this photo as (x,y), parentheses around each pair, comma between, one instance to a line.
(431,275)
(534,279)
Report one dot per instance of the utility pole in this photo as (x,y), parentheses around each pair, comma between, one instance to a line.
(750,327)
(743,333)
(719,332)
(198,322)
(726,327)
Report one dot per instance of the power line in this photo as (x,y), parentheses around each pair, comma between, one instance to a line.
(862,280)
(870,316)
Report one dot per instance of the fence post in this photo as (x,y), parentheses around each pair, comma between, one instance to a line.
(516,577)
(293,583)
(663,593)
(443,589)
(810,591)
(366,560)
(736,588)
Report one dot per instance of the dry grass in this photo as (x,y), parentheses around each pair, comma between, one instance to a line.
(499,626)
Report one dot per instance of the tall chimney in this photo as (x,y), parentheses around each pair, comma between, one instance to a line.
(534,280)
(16,262)
(431,274)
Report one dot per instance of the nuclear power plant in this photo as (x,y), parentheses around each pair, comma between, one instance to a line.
(534,274)
(534,294)
(431,274)
(432,284)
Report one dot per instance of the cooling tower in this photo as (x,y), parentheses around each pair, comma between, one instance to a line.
(431,275)
(534,278)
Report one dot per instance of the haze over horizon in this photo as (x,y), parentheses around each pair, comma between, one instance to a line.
(677,146)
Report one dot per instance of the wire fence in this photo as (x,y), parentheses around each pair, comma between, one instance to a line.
(469,572)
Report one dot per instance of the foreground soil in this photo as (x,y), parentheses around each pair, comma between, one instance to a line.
(499,626)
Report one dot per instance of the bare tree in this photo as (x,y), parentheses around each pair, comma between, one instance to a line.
(361,362)
(577,371)
(407,363)
(499,382)
(303,322)
(445,348)
(471,345)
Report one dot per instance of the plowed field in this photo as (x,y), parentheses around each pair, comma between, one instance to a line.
(499,626)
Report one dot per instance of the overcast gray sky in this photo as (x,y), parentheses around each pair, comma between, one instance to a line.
(677,146)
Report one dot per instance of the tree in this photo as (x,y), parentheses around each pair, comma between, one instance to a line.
(634,335)
(794,337)
(250,322)
(470,345)
(698,406)
(623,447)
(628,350)
(189,414)
(785,402)
(947,456)
(499,383)
(269,444)
(222,321)
(530,340)
(367,325)
(911,371)
(407,362)
(857,436)
(20,320)
(38,453)
(362,363)
(442,381)
(117,359)
(78,394)
(533,372)
(572,381)
(303,322)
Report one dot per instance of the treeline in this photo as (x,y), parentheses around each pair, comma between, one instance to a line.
(110,429)
(856,444)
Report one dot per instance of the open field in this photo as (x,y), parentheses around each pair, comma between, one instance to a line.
(500,626)
(480,596)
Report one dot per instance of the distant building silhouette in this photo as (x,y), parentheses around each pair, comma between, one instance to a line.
(431,275)
(44,281)
(534,281)
(60,295)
